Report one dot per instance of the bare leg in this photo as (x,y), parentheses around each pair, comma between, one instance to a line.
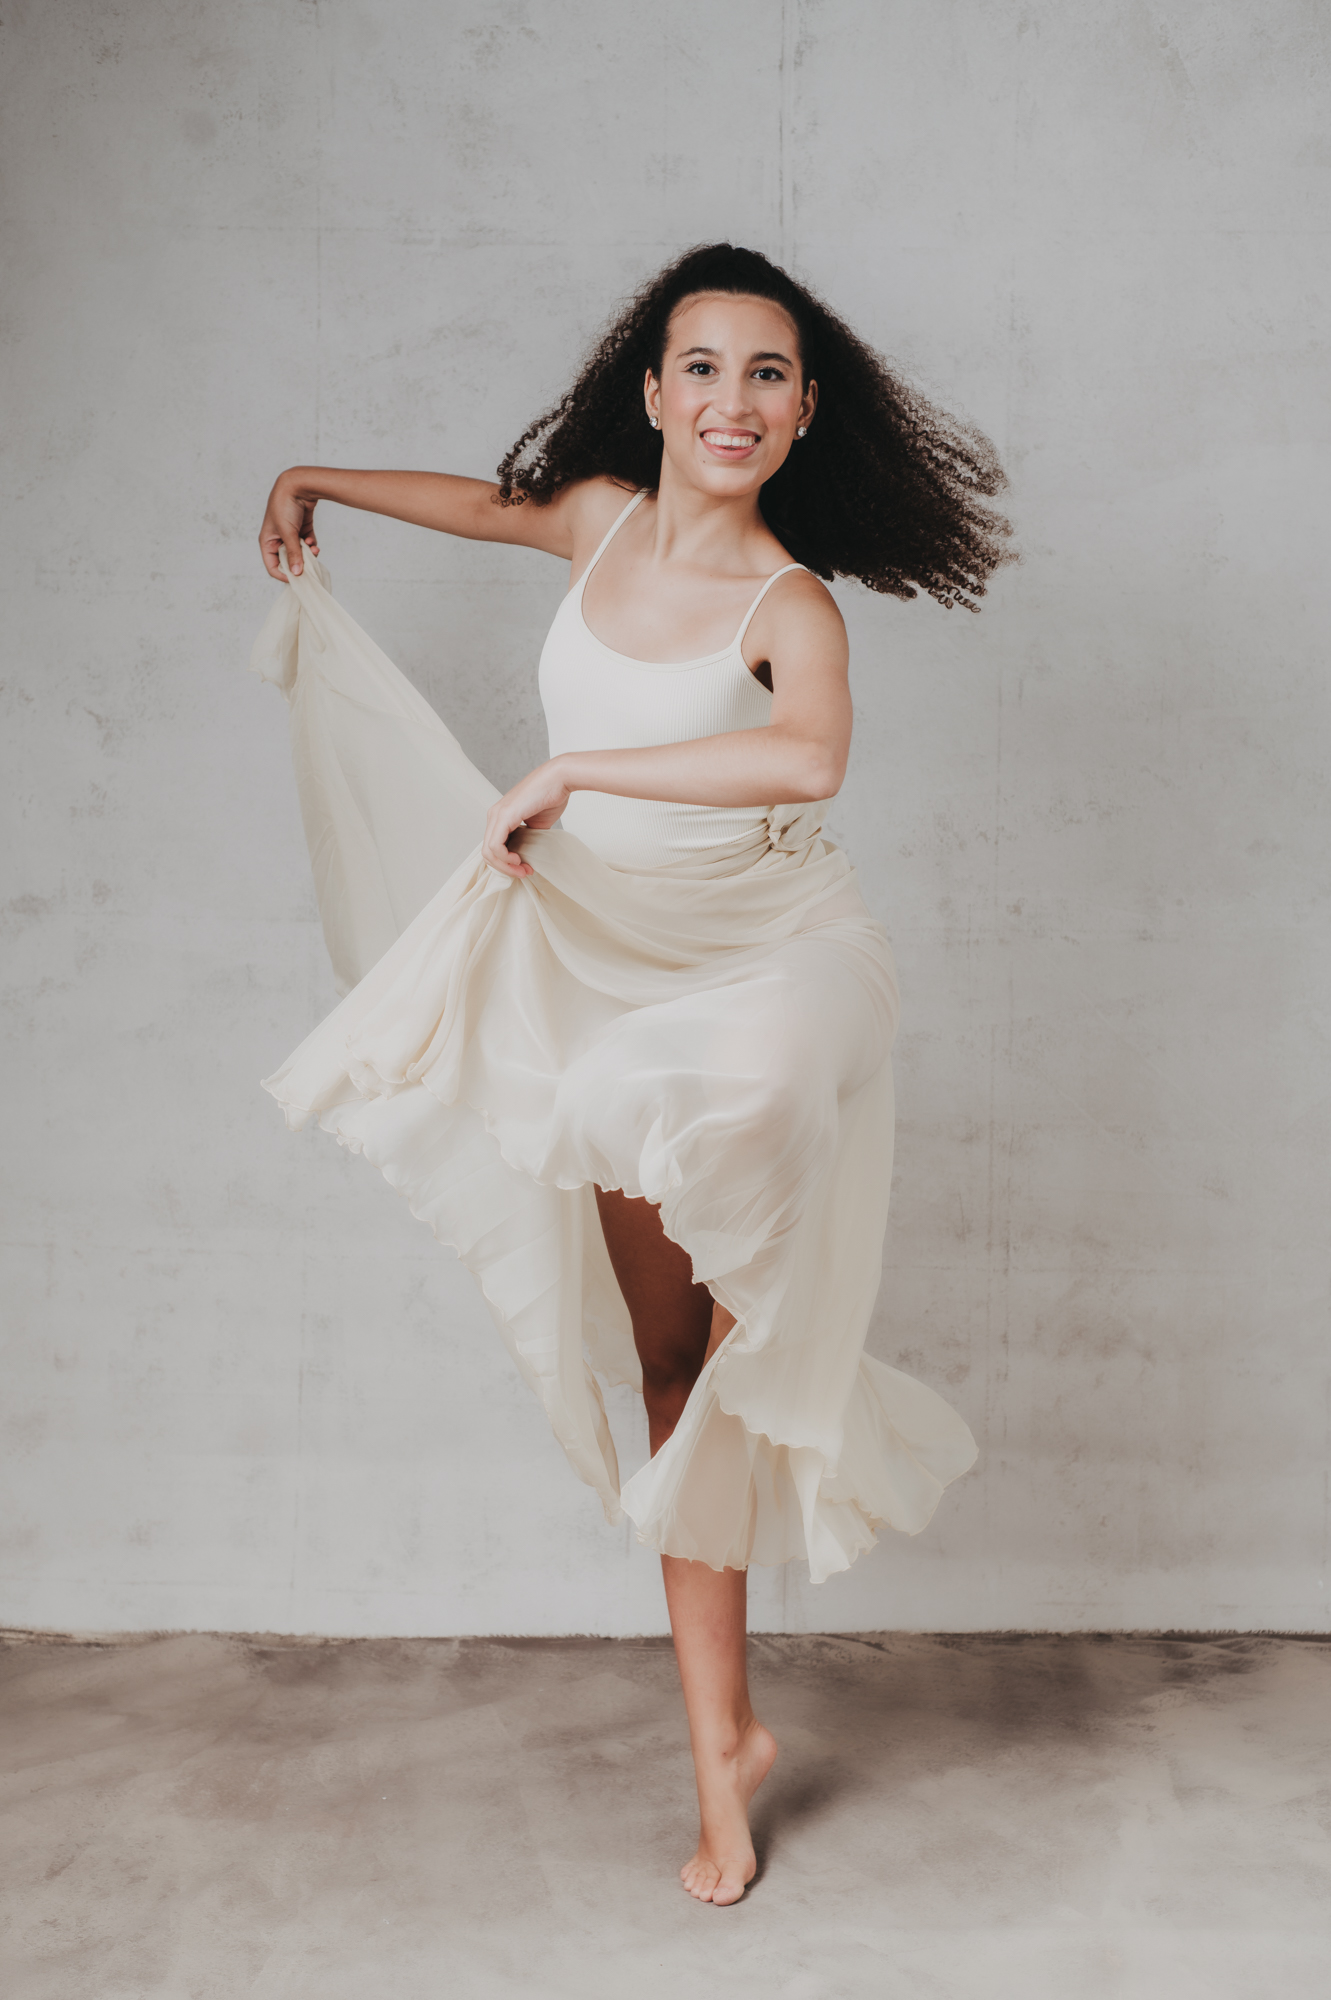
(732,1752)
(672,1317)
(676,1327)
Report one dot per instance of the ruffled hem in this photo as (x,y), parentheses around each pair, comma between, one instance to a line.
(746,1477)
(712,1034)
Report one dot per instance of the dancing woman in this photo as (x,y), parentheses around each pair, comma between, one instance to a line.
(632,1059)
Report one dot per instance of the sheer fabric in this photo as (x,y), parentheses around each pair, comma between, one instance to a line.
(712,1033)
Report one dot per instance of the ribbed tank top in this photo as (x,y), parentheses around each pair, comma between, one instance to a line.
(597,699)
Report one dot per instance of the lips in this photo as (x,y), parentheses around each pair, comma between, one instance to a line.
(730,444)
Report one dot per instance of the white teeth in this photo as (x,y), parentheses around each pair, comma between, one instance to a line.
(730,438)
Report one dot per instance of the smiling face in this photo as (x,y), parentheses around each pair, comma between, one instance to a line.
(731,393)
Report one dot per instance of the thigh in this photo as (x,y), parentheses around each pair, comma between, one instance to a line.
(668,1091)
(672,1316)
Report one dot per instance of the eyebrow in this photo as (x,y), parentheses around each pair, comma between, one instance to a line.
(772,356)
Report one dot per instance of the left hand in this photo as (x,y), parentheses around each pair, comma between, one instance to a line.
(536,800)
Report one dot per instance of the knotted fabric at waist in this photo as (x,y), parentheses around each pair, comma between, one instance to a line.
(792,832)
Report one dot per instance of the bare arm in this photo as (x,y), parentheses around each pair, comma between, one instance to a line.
(441,500)
(800,755)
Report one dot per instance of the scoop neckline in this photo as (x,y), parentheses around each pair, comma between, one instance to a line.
(657,666)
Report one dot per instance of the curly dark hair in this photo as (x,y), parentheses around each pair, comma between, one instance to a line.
(885,487)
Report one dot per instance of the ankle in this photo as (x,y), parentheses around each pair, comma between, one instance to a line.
(723,1739)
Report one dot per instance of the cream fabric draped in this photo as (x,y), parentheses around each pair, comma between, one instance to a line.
(713,1034)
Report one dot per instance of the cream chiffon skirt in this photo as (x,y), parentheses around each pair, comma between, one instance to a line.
(713,1035)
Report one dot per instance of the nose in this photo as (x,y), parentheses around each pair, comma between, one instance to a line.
(731,398)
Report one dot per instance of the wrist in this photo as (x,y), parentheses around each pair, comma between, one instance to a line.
(564,768)
(299,482)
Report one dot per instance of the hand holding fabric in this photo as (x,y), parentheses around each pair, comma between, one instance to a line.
(536,800)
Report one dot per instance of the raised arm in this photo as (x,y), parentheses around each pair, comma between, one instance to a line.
(441,500)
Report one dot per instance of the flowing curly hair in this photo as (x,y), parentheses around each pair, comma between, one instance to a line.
(885,487)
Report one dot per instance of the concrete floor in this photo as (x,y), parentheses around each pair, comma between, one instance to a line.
(387,1820)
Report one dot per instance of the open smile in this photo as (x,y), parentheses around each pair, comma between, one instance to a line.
(730,444)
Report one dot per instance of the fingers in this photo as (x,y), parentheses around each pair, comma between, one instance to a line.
(288,528)
(500,825)
(273,542)
(535,803)
(271,548)
(506,864)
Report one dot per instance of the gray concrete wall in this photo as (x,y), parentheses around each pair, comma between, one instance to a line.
(242,1388)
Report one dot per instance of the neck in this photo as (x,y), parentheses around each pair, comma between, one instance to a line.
(712,530)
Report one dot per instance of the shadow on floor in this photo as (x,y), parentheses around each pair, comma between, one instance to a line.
(223,1816)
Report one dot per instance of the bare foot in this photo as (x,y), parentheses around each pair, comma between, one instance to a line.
(725,1864)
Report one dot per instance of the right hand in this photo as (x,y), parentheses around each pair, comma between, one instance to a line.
(287,523)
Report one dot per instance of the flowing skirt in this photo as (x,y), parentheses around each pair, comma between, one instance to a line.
(713,1035)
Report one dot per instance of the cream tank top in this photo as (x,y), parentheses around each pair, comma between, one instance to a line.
(597,699)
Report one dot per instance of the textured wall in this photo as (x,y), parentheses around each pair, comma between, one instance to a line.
(242,1388)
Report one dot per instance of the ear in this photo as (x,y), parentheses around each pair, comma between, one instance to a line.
(809,403)
(651,395)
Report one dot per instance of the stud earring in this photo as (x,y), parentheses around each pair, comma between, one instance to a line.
(654,422)
(802,431)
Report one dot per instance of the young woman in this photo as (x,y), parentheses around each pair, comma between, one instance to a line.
(633,1058)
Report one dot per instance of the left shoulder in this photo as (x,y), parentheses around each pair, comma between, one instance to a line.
(798,616)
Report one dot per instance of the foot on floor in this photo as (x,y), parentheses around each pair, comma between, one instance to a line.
(725,1864)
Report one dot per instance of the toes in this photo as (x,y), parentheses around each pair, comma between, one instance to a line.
(700,1878)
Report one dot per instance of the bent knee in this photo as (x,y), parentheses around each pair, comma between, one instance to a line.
(784,1113)
(665,1377)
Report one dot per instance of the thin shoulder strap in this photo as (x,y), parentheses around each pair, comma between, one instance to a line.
(610,534)
(739,636)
